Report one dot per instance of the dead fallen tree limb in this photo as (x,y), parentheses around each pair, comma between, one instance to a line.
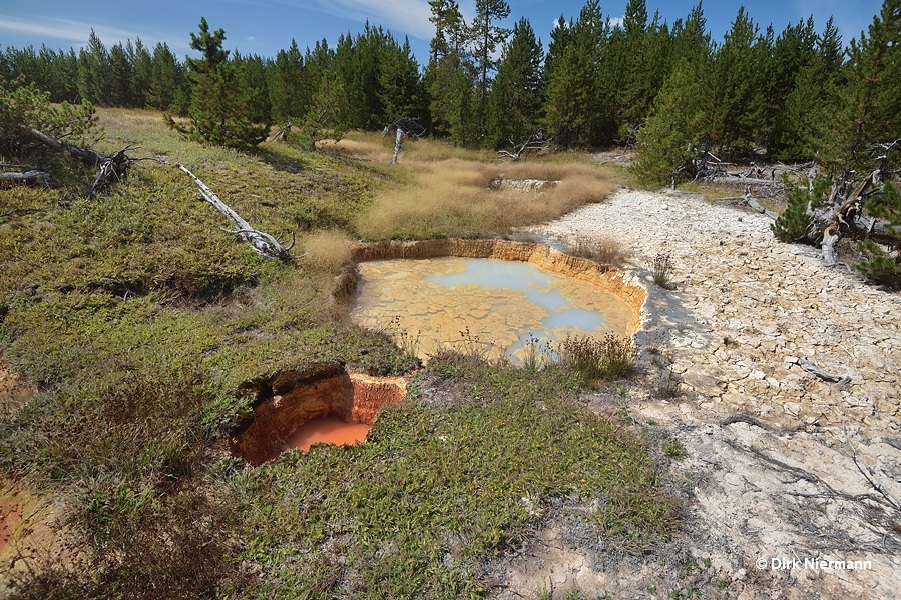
(111,168)
(745,418)
(536,141)
(841,380)
(753,203)
(749,201)
(871,476)
(32,178)
(263,243)
(88,157)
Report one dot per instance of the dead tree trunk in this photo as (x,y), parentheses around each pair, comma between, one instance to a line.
(88,157)
(30,177)
(842,215)
(403,127)
(112,168)
(262,243)
(398,140)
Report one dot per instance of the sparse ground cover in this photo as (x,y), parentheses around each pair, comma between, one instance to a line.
(139,320)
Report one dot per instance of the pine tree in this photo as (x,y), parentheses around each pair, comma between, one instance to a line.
(220,110)
(324,117)
(515,100)
(399,83)
(636,61)
(881,264)
(560,38)
(738,100)
(289,90)
(451,77)
(803,125)
(93,71)
(676,127)
(164,79)
(577,112)
(142,63)
(870,101)
(690,39)
(486,36)
(120,76)
(793,52)
(253,80)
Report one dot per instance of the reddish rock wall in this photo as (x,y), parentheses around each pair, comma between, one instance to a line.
(354,397)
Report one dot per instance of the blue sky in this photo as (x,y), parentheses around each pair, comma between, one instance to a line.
(265,26)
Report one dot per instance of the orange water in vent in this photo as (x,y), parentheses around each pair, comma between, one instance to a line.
(330,430)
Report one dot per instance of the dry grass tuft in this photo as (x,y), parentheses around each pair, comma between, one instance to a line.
(607,251)
(327,251)
(366,148)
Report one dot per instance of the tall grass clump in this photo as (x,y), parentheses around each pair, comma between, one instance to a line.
(603,250)
(326,251)
(598,360)
(662,269)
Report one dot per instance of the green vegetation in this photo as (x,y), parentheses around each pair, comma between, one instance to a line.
(794,222)
(883,264)
(441,487)
(144,323)
(606,251)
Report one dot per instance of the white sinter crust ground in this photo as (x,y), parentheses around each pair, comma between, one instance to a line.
(817,476)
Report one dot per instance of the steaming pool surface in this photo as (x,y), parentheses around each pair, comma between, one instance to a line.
(482,304)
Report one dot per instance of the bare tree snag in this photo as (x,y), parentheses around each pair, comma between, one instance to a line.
(282,134)
(262,243)
(403,127)
(536,141)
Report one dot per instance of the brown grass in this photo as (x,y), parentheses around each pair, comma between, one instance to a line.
(452,198)
(603,250)
(326,251)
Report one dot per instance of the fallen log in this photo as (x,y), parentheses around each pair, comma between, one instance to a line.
(263,243)
(753,203)
(111,168)
(88,157)
(32,177)
(810,367)
(536,141)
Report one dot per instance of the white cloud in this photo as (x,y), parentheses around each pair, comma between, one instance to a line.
(402,17)
(251,38)
(77,32)
(615,21)
(63,29)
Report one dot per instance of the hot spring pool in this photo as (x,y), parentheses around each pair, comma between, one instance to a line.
(482,304)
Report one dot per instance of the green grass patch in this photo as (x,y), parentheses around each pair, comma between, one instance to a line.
(438,490)
(142,321)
